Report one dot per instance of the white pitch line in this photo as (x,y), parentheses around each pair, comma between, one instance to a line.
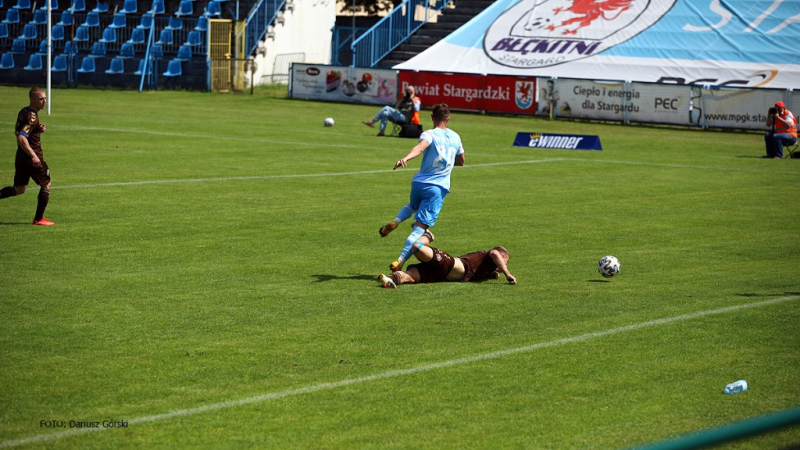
(395,373)
(273,177)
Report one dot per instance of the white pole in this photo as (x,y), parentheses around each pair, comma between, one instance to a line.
(49,53)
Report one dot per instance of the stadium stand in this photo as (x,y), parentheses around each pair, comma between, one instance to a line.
(174,69)
(34,62)
(78,5)
(7,61)
(87,65)
(117,67)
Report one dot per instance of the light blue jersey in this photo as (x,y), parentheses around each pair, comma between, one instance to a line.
(440,156)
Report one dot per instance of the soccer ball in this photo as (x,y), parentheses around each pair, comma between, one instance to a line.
(608,266)
(329,122)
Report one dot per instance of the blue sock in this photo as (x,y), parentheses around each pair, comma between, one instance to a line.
(405,213)
(410,248)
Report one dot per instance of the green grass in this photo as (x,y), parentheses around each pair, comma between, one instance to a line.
(216,248)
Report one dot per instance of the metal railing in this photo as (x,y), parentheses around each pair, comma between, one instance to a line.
(393,30)
(258,21)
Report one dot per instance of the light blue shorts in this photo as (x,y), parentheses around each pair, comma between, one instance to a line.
(428,200)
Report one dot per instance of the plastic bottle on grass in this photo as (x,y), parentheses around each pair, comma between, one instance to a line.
(736,387)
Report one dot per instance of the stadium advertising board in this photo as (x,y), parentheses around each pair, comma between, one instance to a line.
(558,141)
(637,102)
(343,84)
(515,95)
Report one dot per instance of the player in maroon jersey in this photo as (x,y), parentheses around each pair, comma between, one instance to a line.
(29,162)
(436,265)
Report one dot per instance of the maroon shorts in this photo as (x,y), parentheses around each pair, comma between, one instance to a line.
(436,269)
(26,171)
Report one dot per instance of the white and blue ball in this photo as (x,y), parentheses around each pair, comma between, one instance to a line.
(608,266)
(329,122)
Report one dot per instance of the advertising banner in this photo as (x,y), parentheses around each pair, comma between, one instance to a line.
(558,141)
(514,95)
(742,43)
(343,84)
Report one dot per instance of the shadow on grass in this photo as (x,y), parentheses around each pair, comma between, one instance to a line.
(599,281)
(321,278)
(14,223)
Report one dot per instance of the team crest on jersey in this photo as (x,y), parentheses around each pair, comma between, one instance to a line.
(523,95)
(543,33)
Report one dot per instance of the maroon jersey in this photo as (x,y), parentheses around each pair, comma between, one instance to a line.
(477,265)
(28,126)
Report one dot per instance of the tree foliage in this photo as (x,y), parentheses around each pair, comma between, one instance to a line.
(370,7)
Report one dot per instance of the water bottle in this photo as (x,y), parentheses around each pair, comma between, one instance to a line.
(736,387)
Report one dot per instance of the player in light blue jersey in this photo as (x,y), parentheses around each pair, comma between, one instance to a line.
(441,149)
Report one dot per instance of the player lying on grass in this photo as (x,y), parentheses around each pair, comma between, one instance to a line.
(437,266)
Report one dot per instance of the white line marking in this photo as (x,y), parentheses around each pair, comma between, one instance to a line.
(273,177)
(370,172)
(395,373)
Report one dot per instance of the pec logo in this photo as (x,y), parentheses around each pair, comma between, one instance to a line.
(542,33)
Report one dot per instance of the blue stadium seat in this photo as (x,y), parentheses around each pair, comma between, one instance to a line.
(184,53)
(137,36)
(174,69)
(158,7)
(29,31)
(23,4)
(66,19)
(42,47)
(70,48)
(185,8)
(175,23)
(58,33)
(157,52)
(78,5)
(39,17)
(119,21)
(53,5)
(117,67)
(7,61)
(214,8)
(18,46)
(98,50)
(140,69)
(109,36)
(12,16)
(130,7)
(194,38)
(147,22)
(35,62)
(202,23)
(82,34)
(92,19)
(59,64)
(87,65)
(3,30)
(166,37)
(101,7)
(127,51)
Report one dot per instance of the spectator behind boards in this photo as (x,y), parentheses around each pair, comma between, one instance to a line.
(407,112)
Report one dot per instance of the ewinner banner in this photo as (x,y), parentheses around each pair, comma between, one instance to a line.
(558,141)
(503,94)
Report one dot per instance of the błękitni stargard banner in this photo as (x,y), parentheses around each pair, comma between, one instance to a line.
(752,43)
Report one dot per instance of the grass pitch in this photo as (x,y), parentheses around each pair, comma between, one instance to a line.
(211,283)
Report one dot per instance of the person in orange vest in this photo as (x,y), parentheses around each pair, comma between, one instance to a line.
(783,130)
(407,112)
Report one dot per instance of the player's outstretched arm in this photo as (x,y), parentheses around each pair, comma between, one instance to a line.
(498,259)
(416,151)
